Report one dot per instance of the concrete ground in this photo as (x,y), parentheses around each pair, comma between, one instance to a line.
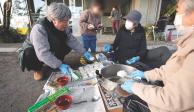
(18,89)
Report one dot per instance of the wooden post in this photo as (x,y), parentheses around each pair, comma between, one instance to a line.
(6,14)
(158,9)
(29,12)
(31,6)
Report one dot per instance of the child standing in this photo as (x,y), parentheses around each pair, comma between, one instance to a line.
(90,23)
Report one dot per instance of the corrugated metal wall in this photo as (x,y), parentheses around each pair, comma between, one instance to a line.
(150,10)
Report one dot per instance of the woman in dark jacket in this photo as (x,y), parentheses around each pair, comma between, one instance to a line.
(130,41)
(130,46)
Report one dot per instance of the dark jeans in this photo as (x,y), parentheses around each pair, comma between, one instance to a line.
(89,42)
(134,104)
(157,57)
(31,62)
(154,59)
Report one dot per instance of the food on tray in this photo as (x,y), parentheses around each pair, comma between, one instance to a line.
(52,84)
(63,102)
(122,73)
(62,81)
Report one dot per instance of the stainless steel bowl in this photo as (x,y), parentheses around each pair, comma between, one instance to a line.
(109,75)
(110,72)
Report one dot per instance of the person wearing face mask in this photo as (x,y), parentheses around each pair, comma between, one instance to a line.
(130,40)
(90,24)
(49,41)
(177,93)
(130,46)
(178,22)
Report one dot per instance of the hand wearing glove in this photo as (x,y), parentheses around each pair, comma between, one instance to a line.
(133,60)
(137,75)
(107,48)
(65,69)
(127,86)
(88,56)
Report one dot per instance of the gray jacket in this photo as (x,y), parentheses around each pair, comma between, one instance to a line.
(116,15)
(39,39)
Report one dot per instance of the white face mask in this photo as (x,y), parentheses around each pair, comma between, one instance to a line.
(178,21)
(129,25)
(181,30)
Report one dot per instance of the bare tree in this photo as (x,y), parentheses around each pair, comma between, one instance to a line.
(1,11)
(7,14)
(31,9)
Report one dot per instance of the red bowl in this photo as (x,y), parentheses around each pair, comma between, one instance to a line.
(63,102)
(62,81)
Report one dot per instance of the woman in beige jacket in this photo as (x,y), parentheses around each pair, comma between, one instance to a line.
(177,94)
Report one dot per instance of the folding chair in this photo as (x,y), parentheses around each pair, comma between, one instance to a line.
(159,28)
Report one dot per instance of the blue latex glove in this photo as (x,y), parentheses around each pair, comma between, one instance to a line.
(133,60)
(65,69)
(88,56)
(137,75)
(107,48)
(127,86)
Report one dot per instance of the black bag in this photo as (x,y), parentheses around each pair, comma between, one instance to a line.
(134,104)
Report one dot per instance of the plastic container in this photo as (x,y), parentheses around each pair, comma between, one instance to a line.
(63,102)
(48,101)
(62,81)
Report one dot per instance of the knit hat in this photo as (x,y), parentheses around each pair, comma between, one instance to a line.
(134,16)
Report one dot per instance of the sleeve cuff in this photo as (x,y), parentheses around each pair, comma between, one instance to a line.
(57,65)
(147,75)
(135,88)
